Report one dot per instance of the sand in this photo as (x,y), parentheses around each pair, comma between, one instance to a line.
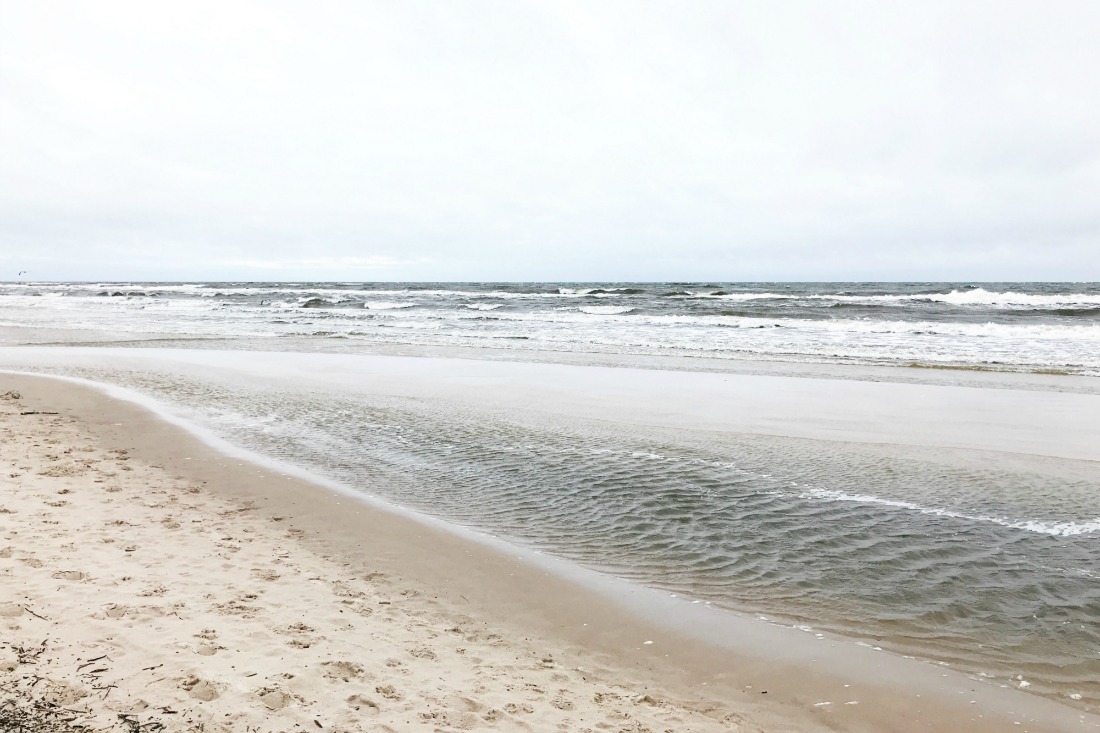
(152,583)
(135,598)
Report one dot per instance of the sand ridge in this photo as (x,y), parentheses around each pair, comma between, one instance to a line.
(137,600)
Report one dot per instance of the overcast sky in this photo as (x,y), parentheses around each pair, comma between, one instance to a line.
(517,140)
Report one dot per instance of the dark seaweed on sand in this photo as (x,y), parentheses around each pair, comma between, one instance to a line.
(26,705)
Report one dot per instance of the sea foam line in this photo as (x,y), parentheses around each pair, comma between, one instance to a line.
(1056,529)
(977,296)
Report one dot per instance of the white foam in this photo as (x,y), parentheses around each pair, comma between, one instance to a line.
(1054,528)
(387,306)
(604,310)
(979,296)
(975,296)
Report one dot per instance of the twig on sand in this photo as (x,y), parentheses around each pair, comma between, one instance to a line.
(92,661)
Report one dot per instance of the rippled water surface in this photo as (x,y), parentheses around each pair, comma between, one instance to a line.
(967,558)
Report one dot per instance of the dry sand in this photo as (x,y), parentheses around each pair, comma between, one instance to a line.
(150,583)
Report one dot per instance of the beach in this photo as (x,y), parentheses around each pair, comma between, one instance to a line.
(138,595)
(147,572)
(578,367)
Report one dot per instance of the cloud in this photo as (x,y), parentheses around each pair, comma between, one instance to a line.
(348,265)
(548,140)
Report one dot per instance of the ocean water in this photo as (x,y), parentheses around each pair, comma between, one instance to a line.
(988,562)
(1028,327)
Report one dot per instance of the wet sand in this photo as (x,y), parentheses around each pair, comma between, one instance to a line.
(218,588)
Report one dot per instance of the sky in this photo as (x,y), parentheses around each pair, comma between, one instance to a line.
(568,141)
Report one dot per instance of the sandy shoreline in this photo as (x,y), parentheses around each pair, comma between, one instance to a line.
(246,600)
(133,592)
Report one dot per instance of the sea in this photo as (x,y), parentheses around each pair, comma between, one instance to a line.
(998,326)
(987,563)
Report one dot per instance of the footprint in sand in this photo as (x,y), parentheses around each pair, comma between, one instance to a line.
(239,606)
(422,652)
(8,662)
(69,575)
(450,719)
(345,671)
(200,689)
(301,633)
(397,665)
(10,610)
(363,704)
(64,694)
(463,703)
(61,471)
(389,692)
(343,590)
(490,639)
(274,699)
(561,702)
(114,610)
(298,628)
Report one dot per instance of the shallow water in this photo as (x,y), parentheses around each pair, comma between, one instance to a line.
(983,560)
